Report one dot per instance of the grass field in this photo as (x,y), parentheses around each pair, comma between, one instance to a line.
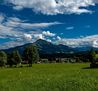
(49,77)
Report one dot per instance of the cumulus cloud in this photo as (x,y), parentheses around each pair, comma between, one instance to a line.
(44,35)
(27,37)
(53,7)
(48,33)
(39,36)
(95,43)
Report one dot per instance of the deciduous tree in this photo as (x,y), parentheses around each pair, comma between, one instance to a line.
(3,58)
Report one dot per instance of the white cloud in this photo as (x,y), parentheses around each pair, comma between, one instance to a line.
(12,44)
(18,7)
(15,22)
(38,36)
(95,43)
(70,28)
(44,35)
(91,41)
(48,33)
(14,27)
(59,38)
(1,18)
(40,25)
(28,37)
(52,7)
(49,40)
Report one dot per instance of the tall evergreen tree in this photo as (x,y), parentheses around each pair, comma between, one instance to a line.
(3,58)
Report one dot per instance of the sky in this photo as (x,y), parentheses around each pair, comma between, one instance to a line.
(70,22)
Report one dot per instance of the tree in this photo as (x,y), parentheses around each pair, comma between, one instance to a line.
(31,54)
(92,56)
(14,58)
(3,58)
(10,60)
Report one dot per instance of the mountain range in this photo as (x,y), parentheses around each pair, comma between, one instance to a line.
(45,47)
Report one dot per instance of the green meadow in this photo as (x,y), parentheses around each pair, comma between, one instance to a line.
(49,77)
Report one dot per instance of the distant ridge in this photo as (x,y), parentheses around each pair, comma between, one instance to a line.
(44,47)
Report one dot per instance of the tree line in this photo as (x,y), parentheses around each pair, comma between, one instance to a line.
(30,55)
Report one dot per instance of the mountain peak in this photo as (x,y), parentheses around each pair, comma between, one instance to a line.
(41,41)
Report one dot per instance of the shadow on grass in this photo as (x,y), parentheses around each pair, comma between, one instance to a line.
(86,68)
(90,68)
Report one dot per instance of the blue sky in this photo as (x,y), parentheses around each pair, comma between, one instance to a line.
(70,22)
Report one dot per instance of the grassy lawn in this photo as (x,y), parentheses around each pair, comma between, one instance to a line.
(49,77)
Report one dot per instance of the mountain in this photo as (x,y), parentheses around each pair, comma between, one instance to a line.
(65,49)
(49,48)
(44,47)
